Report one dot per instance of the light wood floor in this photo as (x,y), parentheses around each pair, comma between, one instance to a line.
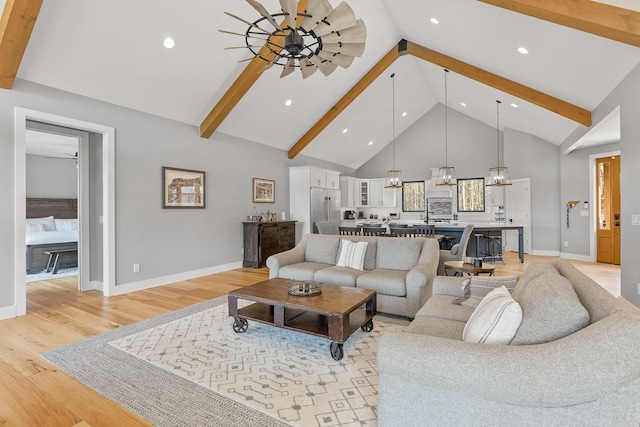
(35,393)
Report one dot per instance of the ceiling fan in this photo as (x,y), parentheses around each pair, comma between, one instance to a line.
(72,156)
(321,37)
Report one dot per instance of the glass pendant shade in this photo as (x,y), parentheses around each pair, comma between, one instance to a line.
(394,176)
(498,176)
(446,174)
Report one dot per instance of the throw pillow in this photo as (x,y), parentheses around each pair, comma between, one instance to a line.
(69,226)
(551,310)
(496,319)
(35,227)
(352,254)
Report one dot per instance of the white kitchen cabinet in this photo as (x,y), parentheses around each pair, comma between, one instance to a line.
(349,192)
(379,196)
(333,180)
(364,193)
(317,177)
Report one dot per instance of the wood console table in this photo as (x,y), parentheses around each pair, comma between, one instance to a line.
(265,238)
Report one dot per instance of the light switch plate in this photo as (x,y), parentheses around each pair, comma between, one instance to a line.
(584,213)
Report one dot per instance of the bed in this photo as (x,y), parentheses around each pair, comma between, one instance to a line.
(51,225)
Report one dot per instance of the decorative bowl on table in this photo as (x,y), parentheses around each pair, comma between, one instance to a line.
(304,287)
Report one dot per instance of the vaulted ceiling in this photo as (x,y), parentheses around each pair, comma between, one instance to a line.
(113,51)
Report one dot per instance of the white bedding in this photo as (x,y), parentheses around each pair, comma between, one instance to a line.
(47,237)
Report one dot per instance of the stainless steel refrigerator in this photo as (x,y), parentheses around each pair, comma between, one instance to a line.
(325,206)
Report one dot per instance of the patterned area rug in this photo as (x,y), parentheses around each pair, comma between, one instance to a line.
(189,368)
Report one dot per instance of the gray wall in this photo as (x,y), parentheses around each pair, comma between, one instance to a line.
(95,206)
(50,177)
(162,241)
(528,156)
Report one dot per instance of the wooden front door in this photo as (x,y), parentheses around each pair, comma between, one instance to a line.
(608,209)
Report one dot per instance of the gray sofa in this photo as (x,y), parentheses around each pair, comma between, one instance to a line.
(400,270)
(589,377)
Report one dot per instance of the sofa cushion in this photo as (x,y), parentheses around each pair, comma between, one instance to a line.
(398,253)
(441,306)
(496,319)
(351,254)
(341,276)
(474,288)
(386,282)
(535,269)
(551,310)
(322,248)
(301,270)
(436,327)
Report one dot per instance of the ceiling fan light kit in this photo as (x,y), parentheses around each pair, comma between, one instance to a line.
(326,38)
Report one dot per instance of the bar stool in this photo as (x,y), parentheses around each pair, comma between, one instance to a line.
(493,243)
(447,242)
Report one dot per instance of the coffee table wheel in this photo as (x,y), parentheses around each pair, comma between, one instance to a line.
(367,327)
(240,325)
(336,351)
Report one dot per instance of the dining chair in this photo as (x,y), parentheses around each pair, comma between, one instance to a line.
(373,231)
(396,225)
(402,232)
(349,231)
(424,229)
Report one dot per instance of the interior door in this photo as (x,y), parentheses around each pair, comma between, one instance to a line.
(608,209)
(518,211)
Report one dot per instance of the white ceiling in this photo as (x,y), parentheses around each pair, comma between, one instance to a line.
(51,145)
(113,51)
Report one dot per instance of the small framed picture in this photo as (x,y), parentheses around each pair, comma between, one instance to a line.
(182,188)
(264,191)
(274,217)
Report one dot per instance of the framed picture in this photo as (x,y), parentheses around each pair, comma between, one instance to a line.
(264,190)
(182,188)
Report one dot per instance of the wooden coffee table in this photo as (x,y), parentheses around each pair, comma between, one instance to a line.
(336,313)
(461,267)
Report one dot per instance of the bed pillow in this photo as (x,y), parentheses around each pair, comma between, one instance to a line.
(67,224)
(495,321)
(35,227)
(48,222)
(352,254)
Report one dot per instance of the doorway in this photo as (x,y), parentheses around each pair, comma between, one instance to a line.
(518,211)
(608,221)
(106,135)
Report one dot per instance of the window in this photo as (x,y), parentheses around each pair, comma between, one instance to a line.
(471,195)
(413,196)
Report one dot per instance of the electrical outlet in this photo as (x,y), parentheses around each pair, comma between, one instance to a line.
(566,243)
(136,268)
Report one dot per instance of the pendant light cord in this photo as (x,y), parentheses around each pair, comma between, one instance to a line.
(446,121)
(393,116)
(498,102)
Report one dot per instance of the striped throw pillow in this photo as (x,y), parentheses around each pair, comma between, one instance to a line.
(352,254)
(496,319)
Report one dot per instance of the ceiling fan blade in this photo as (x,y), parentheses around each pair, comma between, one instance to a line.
(340,18)
(343,61)
(242,47)
(249,59)
(355,34)
(288,68)
(290,7)
(307,68)
(262,11)
(351,49)
(270,64)
(318,9)
(251,24)
(243,35)
(327,67)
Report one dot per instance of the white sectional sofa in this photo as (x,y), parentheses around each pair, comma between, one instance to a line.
(401,270)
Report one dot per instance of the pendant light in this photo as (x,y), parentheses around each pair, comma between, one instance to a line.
(498,176)
(446,173)
(394,177)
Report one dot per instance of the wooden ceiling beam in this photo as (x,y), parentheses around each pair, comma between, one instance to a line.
(241,85)
(347,99)
(16,25)
(533,96)
(601,19)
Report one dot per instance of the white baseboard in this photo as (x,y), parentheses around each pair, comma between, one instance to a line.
(95,285)
(545,253)
(577,257)
(8,312)
(165,280)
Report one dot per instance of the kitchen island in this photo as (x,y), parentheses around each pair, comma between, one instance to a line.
(456,228)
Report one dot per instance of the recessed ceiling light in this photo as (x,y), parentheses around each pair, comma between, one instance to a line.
(463,104)
(370,142)
(435,21)
(345,130)
(404,114)
(523,50)
(288,102)
(169,43)
(514,105)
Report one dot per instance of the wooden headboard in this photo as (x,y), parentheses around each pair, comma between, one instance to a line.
(58,208)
